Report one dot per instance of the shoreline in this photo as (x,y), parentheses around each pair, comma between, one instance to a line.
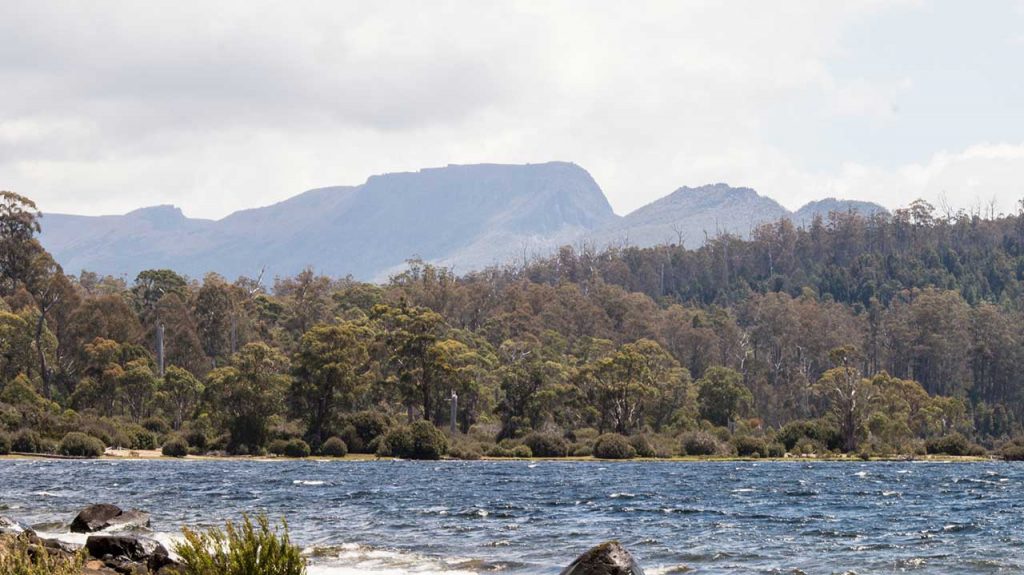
(155,455)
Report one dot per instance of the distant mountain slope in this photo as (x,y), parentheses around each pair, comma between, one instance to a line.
(691,214)
(806,214)
(467,216)
(464,217)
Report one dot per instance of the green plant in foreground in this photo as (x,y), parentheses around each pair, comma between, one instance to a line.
(18,558)
(250,548)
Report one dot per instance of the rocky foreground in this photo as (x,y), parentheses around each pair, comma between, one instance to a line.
(125,553)
(105,552)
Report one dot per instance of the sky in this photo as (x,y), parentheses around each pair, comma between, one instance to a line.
(216,106)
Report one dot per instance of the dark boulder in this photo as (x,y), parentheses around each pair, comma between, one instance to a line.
(104,515)
(124,547)
(608,558)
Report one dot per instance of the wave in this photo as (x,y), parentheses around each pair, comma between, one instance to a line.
(357,559)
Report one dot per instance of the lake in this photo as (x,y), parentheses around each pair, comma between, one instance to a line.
(390,517)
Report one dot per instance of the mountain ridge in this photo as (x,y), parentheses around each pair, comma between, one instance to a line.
(465,216)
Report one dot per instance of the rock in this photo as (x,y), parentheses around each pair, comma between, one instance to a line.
(609,558)
(9,526)
(101,516)
(124,547)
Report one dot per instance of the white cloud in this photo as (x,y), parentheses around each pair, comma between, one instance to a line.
(225,105)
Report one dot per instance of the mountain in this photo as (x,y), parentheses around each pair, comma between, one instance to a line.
(461,216)
(805,215)
(691,215)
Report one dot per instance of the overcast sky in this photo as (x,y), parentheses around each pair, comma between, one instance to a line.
(216,106)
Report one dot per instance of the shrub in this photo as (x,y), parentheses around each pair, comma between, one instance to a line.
(499,451)
(613,446)
(467,450)
(197,440)
(952,444)
(156,425)
(247,549)
(278,446)
(140,438)
(5,444)
(27,441)
(175,447)
(1013,450)
(428,442)
(296,448)
(546,445)
(522,451)
(17,557)
(776,450)
(750,446)
(396,443)
(699,443)
(79,444)
(642,445)
(334,447)
(582,450)
(363,429)
(821,431)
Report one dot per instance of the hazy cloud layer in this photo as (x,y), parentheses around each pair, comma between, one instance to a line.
(217,106)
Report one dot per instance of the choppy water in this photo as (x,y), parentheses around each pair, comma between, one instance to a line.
(534,517)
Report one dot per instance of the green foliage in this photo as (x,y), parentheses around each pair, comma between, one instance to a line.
(465,450)
(80,445)
(277,446)
(421,440)
(821,431)
(139,437)
(613,446)
(296,448)
(176,446)
(5,444)
(250,548)
(17,557)
(546,445)
(642,445)
(1013,450)
(27,441)
(363,428)
(521,451)
(750,446)
(722,396)
(699,443)
(952,444)
(334,447)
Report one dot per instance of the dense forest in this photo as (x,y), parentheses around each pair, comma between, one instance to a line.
(888,335)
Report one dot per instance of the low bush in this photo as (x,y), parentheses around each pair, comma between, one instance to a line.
(822,431)
(642,445)
(499,451)
(699,443)
(157,425)
(197,440)
(78,444)
(546,445)
(421,440)
(140,438)
(250,548)
(334,447)
(17,557)
(27,441)
(952,444)
(465,450)
(5,444)
(277,446)
(776,450)
(582,450)
(175,447)
(750,446)
(613,446)
(363,428)
(296,448)
(522,451)
(1013,450)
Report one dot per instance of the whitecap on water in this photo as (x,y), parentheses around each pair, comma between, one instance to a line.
(354,559)
(307,482)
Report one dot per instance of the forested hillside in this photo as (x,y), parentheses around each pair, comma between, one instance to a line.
(887,334)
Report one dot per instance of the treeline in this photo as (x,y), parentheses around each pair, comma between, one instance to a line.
(884,335)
